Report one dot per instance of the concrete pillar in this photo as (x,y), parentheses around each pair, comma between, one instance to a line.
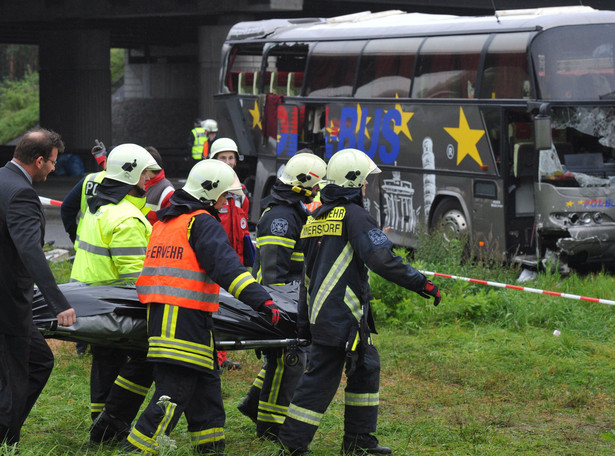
(75,87)
(211,39)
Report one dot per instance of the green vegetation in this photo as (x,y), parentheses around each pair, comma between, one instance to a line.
(482,374)
(19,91)
(19,106)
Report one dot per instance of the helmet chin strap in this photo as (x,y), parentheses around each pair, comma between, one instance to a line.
(139,190)
(302,191)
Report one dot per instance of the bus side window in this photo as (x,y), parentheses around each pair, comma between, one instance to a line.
(506,72)
(294,83)
(447,67)
(332,68)
(246,83)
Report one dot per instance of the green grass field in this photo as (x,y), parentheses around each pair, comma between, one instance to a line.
(482,374)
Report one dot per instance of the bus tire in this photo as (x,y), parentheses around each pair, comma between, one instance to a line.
(450,219)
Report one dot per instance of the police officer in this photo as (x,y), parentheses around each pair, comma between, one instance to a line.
(342,241)
(197,140)
(188,259)
(113,237)
(279,260)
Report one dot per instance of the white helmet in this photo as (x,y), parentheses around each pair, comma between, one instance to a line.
(209,179)
(350,167)
(210,125)
(126,162)
(223,145)
(304,170)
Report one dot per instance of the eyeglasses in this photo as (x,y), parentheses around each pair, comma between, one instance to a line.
(53,162)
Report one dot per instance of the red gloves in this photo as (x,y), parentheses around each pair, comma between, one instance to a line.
(430,289)
(272,311)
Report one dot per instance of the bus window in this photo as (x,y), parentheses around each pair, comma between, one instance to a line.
(506,73)
(386,68)
(580,69)
(285,68)
(447,67)
(243,69)
(332,68)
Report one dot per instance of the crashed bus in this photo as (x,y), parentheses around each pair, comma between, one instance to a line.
(501,127)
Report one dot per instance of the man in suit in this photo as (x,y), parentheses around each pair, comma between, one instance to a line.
(25,358)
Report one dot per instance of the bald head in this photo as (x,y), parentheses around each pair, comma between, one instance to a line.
(38,142)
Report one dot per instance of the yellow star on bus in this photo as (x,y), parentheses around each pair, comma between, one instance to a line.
(466,139)
(256,116)
(569,203)
(405,118)
(359,117)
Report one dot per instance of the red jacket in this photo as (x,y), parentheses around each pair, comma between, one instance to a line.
(234,219)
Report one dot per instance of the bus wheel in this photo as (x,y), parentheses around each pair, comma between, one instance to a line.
(450,219)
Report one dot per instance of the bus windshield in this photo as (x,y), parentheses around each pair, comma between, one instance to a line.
(583,152)
(580,69)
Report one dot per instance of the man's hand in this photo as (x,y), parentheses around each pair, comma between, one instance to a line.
(272,311)
(67,318)
(430,289)
(303,332)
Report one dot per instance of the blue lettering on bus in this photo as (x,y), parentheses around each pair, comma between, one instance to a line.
(348,125)
(392,117)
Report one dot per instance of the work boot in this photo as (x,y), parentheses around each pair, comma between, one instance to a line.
(230,365)
(211,448)
(245,408)
(108,428)
(361,444)
(271,433)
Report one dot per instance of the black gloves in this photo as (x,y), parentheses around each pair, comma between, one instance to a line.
(431,289)
(272,311)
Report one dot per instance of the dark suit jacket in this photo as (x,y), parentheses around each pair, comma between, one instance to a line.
(22,261)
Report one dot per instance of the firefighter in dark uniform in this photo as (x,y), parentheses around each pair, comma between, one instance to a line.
(279,260)
(342,240)
(188,258)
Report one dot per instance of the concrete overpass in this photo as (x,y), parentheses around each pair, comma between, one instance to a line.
(172,60)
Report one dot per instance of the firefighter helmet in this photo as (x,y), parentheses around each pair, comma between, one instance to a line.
(209,179)
(223,145)
(126,162)
(304,170)
(210,125)
(350,168)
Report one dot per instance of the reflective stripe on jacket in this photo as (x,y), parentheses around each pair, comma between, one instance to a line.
(112,242)
(172,273)
(200,138)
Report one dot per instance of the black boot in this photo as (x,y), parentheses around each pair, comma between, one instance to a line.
(361,444)
(284,451)
(108,428)
(249,407)
(212,448)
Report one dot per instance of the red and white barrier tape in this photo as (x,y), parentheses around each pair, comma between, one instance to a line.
(519,288)
(49,201)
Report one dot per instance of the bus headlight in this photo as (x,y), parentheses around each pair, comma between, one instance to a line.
(597,217)
(574,218)
(586,218)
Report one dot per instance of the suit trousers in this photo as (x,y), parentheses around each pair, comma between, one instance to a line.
(25,365)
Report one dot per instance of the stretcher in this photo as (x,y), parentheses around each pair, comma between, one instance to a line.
(110,314)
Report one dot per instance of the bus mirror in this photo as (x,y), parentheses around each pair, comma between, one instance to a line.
(542,130)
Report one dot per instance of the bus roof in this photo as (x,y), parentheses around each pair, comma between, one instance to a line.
(398,23)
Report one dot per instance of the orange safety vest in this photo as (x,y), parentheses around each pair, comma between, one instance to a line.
(172,273)
(206,149)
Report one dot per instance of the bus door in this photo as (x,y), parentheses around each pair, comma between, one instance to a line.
(521,173)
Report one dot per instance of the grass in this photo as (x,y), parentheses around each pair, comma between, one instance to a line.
(482,374)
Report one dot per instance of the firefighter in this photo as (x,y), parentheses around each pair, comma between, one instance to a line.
(279,260)
(188,258)
(234,218)
(197,140)
(113,237)
(211,131)
(342,240)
